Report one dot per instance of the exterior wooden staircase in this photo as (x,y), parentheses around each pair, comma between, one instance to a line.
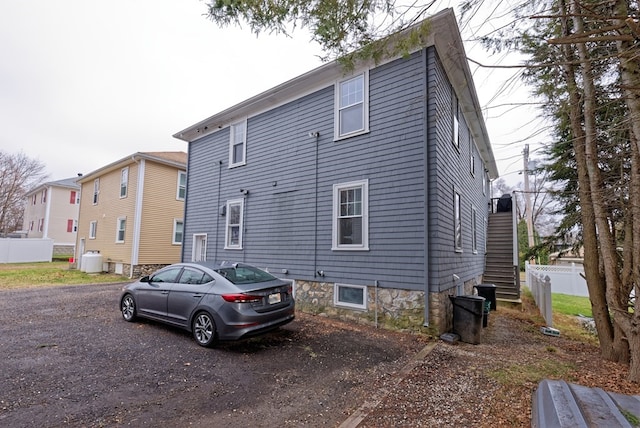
(501,267)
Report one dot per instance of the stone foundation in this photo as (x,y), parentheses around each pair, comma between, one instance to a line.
(389,308)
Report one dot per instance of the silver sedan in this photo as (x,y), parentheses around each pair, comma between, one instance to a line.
(213,301)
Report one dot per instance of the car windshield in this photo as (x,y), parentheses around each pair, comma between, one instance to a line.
(245,274)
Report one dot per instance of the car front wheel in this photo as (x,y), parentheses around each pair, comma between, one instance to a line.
(128,307)
(204,329)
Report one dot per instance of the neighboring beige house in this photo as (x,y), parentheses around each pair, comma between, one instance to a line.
(51,211)
(132,213)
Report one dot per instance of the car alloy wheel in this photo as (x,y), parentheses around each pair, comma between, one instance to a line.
(204,329)
(128,307)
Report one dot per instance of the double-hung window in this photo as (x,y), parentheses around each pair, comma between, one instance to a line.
(238,144)
(96,190)
(121,229)
(457,225)
(124,182)
(352,106)
(93,227)
(182,186)
(178,230)
(351,216)
(235,214)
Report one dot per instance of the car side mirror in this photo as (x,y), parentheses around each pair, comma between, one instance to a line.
(145,279)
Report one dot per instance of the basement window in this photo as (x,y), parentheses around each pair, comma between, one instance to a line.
(350,296)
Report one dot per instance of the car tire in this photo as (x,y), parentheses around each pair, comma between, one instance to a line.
(204,329)
(128,308)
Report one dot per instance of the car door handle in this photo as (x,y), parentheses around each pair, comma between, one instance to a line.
(164,292)
(198,295)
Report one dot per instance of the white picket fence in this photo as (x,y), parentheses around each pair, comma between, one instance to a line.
(543,280)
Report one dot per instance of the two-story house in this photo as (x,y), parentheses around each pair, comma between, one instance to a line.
(132,211)
(51,211)
(367,189)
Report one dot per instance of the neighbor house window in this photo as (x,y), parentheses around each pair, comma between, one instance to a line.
(40,225)
(178,230)
(351,216)
(455,111)
(235,213)
(93,227)
(352,106)
(457,218)
(182,186)
(96,190)
(238,144)
(351,296)
(474,230)
(124,182)
(121,228)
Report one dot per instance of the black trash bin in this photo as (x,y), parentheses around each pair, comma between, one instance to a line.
(467,317)
(488,291)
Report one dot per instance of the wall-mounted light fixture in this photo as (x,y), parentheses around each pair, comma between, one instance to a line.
(244,191)
(314,134)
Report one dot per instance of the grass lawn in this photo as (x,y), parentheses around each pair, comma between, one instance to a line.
(29,275)
(571,305)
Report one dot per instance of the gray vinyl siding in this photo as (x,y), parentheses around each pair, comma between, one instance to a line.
(288,212)
(449,171)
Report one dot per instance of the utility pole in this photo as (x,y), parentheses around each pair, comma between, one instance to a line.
(527,200)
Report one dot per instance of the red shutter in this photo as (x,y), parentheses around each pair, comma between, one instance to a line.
(72,199)
(69,225)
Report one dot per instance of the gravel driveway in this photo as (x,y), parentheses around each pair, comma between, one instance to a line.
(68,359)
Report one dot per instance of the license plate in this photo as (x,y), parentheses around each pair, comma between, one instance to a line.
(274,298)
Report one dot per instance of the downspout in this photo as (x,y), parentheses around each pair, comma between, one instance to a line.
(47,212)
(316,135)
(426,187)
(137,217)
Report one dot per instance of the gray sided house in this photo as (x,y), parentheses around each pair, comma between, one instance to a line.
(369,190)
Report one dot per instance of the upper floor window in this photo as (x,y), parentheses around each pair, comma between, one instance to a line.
(178,231)
(352,106)
(182,186)
(351,216)
(457,222)
(96,190)
(121,229)
(235,214)
(124,182)
(93,228)
(472,158)
(237,144)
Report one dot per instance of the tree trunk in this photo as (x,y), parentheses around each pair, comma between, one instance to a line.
(595,282)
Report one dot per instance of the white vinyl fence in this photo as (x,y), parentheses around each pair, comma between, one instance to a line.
(25,250)
(543,280)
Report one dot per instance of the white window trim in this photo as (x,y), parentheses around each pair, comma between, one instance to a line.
(118,241)
(335,246)
(455,113)
(474,230)
(241,225)
(96,191)
(365,107)
(244,145)
(175,229)
(336,297)
(93,228)
(457,219)
(178,187)
(124,183)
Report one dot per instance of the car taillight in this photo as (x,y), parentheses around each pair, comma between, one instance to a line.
(241,298)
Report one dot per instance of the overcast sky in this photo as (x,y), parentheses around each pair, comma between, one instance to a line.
(84,83)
